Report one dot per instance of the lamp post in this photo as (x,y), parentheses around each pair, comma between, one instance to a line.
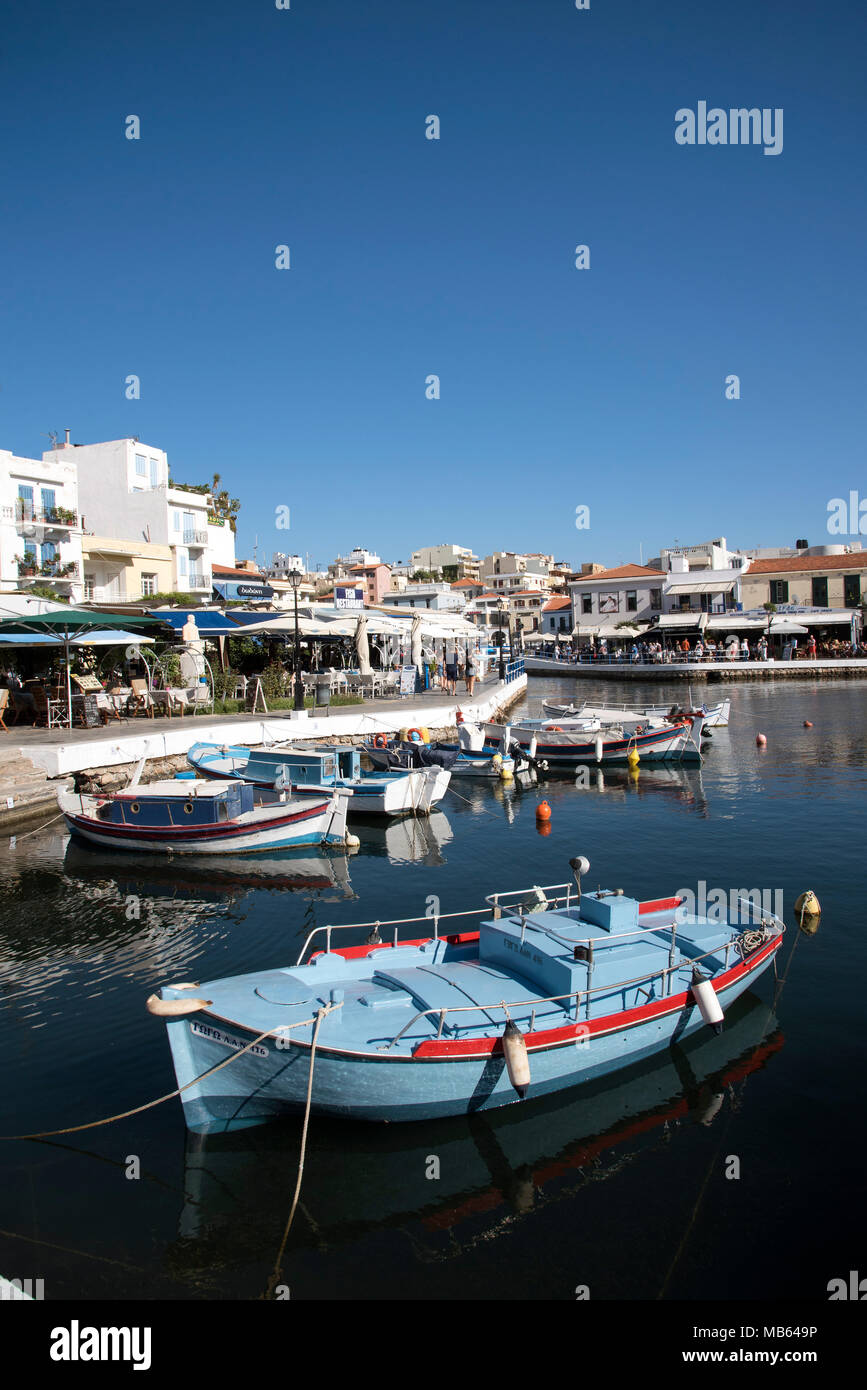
(295,580)
(502,672)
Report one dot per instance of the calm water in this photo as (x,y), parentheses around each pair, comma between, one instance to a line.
(621,1186)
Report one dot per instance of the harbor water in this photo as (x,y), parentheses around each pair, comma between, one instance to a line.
(721,1169)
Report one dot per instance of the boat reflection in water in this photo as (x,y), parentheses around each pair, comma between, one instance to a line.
(323,874)
(412,840)
(498,1167)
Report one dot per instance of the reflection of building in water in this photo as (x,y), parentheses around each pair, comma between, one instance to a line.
(494,1168)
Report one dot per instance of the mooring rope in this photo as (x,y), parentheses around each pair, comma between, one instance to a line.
(125,1114)
(35,831)
(276,1274)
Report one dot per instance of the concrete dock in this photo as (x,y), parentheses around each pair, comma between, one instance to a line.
(710,671)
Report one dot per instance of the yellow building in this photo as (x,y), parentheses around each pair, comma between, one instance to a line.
(120,571)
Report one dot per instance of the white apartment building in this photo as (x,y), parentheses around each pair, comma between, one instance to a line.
(506,572)
(703,578)
(40,525)
(435,558)
(441,597)
(624,594)
(147,535)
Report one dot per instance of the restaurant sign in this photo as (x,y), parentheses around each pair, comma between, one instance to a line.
(348,598)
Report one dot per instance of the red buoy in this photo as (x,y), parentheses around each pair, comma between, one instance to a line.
(760,740)
(543,811)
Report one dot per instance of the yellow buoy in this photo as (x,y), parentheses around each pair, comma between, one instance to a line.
(633,757)
(808,905)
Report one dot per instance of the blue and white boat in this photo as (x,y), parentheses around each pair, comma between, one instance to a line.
(603,738)
(554,988)
(466,758)
(198,817)
(311,770)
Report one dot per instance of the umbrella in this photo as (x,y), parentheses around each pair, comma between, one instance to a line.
(415,643)
(68,624)
(362,647)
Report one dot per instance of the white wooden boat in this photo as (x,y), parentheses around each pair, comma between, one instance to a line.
(198,817)
(715,716)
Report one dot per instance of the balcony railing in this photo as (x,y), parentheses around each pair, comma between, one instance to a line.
(198,580)
(196,538)
(26,516)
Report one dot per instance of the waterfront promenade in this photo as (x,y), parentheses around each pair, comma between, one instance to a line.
(611,669)
(32,757)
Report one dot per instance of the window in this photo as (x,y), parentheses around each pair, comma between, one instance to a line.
(586,603)
(88,586)
(176,521)
(851,590)
(656,600)
(49,553)
(631,600)
(820,593)
(182,563)
(779,590)
(49,499)
(148,584)
(141,466)
(155,472)
(25,501)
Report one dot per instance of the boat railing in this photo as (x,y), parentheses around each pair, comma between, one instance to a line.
(397,922)
(581,997)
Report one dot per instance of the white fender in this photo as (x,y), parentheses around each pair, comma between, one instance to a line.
(517,1061)
(709,1006)
(174,1008)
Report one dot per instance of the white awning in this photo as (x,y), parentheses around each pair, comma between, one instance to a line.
(730,622)
(606,630)
(682,620)
(703,586)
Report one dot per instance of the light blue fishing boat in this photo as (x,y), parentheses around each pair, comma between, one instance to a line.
(310,770)
(553,988)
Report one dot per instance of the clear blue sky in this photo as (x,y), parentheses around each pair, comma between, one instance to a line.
(305,388)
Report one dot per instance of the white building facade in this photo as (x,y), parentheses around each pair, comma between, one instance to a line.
(40,526)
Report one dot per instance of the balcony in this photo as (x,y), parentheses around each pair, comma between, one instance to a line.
(198,580)
(53,570)
(29,519)
(197,539)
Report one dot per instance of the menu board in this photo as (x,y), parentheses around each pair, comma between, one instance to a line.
(407,680)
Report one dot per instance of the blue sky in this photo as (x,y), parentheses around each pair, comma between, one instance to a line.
(306,387)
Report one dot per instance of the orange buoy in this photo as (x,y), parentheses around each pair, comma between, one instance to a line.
(760,740)
(543,811)
(807,724)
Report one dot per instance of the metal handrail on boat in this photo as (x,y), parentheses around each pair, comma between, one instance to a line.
(395,922)
(578,995)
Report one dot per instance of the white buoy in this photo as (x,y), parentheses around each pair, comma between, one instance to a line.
(709,1006)
(517,1061)
(351,841)
(599,742)
(533,742)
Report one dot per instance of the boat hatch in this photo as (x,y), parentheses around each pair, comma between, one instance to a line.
(280,987)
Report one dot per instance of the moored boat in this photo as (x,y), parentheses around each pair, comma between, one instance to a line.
(714,716)
(553,988)
(311,770)
(604,738)
(466,758)
(199,817)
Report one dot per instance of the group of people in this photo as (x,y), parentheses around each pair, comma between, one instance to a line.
(455,667)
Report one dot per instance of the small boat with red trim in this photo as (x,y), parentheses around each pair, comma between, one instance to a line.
(204,817)
(553,988)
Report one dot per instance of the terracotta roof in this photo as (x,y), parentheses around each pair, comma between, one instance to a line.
(798,563)
(243,574)
(463,583)
(525,593)
(557,602)
(621,572)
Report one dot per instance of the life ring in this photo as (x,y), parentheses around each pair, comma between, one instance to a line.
(414,736)
(380,741)
(553,729)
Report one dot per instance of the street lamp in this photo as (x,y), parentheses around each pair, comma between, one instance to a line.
(295,579)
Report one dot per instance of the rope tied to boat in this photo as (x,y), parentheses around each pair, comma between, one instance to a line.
(171,1095)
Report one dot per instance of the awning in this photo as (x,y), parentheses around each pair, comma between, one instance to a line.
(99,638)
(607,630)
(240,588)
(788,627)
(689,622)
(703,586)
(731,622)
